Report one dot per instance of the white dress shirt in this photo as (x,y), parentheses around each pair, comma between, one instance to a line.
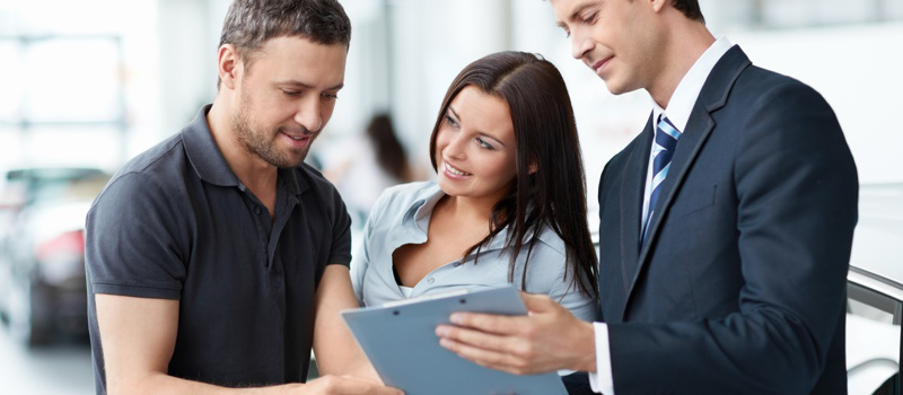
(678,112)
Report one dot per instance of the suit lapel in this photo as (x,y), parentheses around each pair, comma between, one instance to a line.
(634,182)
(713,96)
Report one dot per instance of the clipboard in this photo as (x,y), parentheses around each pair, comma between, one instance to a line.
(400,340)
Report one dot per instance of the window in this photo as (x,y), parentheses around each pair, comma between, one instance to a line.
(873,334)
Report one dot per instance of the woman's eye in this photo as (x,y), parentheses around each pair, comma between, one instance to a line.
(484,145)
(451,121)
(291,93)
(330,96)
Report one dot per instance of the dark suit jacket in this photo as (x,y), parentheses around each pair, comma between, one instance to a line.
(741,285)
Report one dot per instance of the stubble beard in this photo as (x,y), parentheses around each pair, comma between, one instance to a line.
(262,145)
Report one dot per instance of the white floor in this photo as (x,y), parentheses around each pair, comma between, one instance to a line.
(57,370)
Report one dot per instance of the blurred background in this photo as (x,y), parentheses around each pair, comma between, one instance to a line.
(86,85)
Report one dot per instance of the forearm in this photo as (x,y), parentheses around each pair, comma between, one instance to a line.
(337,351)
(160,383)
(361,368)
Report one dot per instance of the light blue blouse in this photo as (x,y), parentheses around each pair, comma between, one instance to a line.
(402,216)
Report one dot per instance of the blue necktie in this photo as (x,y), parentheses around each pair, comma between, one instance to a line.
(666,136)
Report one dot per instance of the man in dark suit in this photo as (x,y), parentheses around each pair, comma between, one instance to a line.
(726,225)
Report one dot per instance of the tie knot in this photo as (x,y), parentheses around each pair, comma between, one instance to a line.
(666,134)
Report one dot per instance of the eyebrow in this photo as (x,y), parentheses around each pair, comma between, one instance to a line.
(481,133)
(304,85)
(452,109)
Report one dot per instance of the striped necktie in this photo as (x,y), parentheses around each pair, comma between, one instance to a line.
(666,136)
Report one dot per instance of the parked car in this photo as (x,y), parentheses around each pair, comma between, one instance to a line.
(42,269)
(875,293)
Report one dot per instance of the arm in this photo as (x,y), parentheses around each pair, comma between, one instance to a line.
(796,185)
(360,262)
(138,336)
(549,338)
(337,351)
(795,210)
(135,291)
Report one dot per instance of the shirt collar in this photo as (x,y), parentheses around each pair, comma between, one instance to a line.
(420,212)
(684,98)
(209,163)
(204,154)
(418,215)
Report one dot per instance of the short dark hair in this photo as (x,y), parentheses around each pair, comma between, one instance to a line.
(250,23)
(690,8)
(545,135)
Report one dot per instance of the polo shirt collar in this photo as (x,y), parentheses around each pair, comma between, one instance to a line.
(204,154)
(211,166)
(296,184)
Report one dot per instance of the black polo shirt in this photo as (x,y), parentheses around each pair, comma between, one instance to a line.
(176,223)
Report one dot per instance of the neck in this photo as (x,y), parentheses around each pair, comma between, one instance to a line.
(254,172)
(682,48)
(467,209)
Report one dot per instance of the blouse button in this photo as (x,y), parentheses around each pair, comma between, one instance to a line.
(431,280)
(257,210)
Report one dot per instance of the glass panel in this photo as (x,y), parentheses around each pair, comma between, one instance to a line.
(73,145)
(873,341)
(10,80)
(72,80)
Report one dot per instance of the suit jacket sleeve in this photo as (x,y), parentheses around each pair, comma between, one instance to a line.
(796,191)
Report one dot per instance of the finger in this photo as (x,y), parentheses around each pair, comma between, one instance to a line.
(537,303)
(487,358)
(497,324)
(472,338)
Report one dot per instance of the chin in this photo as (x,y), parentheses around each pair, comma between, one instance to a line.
(447,187)
(615,88)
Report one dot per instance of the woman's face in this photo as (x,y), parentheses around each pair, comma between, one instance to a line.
(475,147)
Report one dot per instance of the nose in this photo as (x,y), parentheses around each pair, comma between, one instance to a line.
(580,45)
(309,114)
(455,149)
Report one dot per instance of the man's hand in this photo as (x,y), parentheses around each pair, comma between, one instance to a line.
(328,385)
(549,338)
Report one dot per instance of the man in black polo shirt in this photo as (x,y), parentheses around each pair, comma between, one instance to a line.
(217,258)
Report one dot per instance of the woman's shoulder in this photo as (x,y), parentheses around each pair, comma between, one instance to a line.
(552,242)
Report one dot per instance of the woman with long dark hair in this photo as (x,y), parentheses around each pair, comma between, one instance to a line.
(509,201)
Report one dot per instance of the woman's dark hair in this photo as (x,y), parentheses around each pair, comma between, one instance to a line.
(390,154)
(545,136)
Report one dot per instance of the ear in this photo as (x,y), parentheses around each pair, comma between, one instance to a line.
(657,5)
(227,64)
(533,167)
